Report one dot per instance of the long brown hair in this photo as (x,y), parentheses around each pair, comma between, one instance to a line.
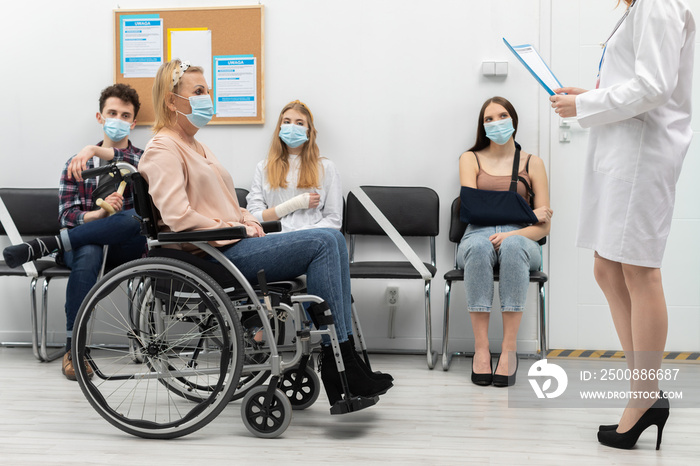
(628,2)
(482,142)
(278,156)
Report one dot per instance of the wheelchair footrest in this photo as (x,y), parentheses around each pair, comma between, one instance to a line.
(353,404)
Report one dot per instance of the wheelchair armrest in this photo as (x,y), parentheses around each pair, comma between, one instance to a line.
(273,226)
(202,235)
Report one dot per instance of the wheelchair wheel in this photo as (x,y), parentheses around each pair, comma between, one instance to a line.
(266,421)
(302,388)
(176,320)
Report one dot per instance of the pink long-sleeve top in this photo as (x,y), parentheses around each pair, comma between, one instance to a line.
(191,192)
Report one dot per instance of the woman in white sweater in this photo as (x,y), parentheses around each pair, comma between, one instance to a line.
(294,184)
(298,187)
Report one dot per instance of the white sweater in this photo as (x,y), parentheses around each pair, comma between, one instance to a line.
(328,214)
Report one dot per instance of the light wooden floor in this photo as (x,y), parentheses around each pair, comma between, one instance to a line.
(429,417)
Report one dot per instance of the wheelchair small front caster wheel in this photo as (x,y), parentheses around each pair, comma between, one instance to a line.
(266,420)
(302,388)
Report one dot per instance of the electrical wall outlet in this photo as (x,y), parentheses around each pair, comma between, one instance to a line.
(392,295)
(392,300)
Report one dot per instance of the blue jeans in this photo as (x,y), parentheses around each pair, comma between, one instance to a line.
(320,253)
(83,251)
(516,257)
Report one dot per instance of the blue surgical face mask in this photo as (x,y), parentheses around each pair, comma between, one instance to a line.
(202,110)
(116,129)
(293,135)
(499,131)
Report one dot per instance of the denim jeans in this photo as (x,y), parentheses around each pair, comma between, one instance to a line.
(83,251)
(320,253)
(516,257)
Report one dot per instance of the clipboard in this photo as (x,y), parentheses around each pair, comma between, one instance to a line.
(531,59)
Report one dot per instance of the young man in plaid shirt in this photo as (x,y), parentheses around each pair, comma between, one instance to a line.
(87,228)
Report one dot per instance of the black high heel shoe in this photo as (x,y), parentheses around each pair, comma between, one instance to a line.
(605,427)
(656,415)
(505,380)
(483,379)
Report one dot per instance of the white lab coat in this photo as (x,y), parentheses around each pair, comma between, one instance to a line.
(328,214)
(640,133)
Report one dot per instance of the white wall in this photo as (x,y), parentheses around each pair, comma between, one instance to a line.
(395,87)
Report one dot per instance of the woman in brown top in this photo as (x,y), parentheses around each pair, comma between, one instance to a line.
(193,191)
(488,165)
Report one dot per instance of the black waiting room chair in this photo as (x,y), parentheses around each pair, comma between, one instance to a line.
(27,213)
(413,212)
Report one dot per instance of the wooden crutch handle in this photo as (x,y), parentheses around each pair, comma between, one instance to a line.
(101,203)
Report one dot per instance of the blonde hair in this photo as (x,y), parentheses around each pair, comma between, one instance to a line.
(278,156)
(627,2)
(168,81)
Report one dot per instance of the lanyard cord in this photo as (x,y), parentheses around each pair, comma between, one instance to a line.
(619,23)
(605,44)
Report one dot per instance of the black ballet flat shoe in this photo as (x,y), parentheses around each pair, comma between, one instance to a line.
(656,415)
(483,379)
(505,380)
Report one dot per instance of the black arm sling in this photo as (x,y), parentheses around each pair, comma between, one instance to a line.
(491,208)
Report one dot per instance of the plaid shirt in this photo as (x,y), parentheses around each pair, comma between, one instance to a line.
(75,197)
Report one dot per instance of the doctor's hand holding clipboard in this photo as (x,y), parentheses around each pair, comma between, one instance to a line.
(639,118)
(564,101)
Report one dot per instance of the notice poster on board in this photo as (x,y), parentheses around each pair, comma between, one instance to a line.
(142,46)
(235,86)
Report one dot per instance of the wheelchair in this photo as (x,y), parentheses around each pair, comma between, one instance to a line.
(163,345)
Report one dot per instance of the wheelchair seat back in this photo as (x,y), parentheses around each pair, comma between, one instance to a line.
(144,207)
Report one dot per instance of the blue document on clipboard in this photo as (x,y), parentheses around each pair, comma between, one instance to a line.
(528,56)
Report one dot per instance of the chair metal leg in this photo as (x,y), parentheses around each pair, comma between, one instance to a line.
(34,320)
(446,356)
(542,323)
(46,356)
(431,355)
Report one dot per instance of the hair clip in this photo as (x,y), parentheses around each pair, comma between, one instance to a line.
(179,71)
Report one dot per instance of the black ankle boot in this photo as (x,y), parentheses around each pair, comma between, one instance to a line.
(359,384)
(375,375)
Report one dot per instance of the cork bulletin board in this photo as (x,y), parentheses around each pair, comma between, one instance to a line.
(235,31)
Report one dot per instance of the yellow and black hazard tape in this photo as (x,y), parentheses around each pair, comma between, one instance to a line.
(675,356)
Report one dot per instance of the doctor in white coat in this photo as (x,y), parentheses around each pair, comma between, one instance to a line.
(639,115)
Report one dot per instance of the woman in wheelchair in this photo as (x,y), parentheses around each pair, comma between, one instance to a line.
(193,191)
(499,238)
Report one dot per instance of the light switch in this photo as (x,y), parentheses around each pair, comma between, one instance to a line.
(501,68)
(488,68)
